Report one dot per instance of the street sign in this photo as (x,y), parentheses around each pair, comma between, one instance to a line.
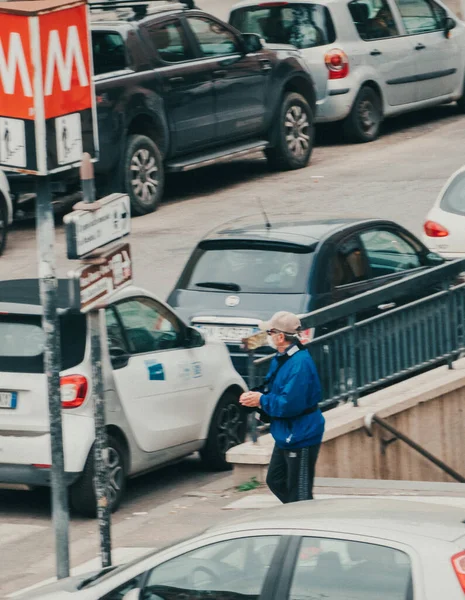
(101,223)
(47,98)
(93,284)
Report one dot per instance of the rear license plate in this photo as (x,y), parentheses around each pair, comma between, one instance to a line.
(227,334)
(8,399)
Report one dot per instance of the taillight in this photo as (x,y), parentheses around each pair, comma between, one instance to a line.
(337,63)
(433,229)
(73,390)
(306,336)
(458,562)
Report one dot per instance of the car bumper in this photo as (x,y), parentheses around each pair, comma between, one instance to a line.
(337,103)
(30,475)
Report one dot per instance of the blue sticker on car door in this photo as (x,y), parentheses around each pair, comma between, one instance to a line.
(155,370)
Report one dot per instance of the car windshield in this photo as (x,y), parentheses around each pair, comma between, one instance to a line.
(302,25)
(454,197)
(251,270)
(23,342)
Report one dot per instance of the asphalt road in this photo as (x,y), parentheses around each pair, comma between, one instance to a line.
(396,177)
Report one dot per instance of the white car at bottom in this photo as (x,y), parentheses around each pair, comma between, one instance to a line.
(444,228)
(168,392)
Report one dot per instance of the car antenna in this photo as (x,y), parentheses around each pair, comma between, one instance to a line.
(265,216)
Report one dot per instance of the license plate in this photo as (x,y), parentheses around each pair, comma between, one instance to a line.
(8,399)
(227,334)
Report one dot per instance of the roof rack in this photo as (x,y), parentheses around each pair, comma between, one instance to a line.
(153,5)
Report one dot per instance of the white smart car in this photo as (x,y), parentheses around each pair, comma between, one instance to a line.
(6,210)
(444,227)
(168,392)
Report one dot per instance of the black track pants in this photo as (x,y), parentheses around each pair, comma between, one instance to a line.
(291,473)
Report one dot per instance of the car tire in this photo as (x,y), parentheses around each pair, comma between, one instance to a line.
(143,173)
(364,121)
(3,224)
(228,428)
(82,494)
(294,135)
(461,100)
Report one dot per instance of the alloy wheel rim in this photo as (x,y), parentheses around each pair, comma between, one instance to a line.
(115,475)
(297,128)
(144,176)
(229,427)
(368,116)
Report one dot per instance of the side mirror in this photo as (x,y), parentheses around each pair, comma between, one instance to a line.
(194,337)
(252,43)
(132,595)
(118,357)
(434,259)
(449,24)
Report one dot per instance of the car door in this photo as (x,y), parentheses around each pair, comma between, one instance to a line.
(385,50)
(187,86)
(437,57)
(241,80)
(161,384)
(357,567)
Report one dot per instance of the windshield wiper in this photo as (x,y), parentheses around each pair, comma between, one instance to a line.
(220,285)
(94,577)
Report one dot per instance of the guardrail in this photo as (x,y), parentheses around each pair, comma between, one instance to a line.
(365,355)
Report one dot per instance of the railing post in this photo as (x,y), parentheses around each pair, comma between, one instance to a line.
(353,360)
(449,323)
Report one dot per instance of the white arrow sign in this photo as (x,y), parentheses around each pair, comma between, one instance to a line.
(87,230)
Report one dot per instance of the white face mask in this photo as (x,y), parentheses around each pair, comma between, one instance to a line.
(271,342)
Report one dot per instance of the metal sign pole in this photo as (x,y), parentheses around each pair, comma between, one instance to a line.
(101,445)
(52,359)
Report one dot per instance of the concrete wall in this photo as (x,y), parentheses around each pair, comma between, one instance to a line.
(429,408)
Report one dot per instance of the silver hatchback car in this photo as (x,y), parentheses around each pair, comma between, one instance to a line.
(370,59)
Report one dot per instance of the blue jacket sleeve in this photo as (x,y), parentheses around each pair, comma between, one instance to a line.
(291,399)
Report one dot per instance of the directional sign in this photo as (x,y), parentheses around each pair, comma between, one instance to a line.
(105,221)
(93,284)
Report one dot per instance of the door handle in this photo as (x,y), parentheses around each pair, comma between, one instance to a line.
(420,47)
(176,80)
(387,306)
(266,65)
(220,73)
(375,52)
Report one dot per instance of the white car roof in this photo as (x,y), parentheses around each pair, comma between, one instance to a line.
(249,3)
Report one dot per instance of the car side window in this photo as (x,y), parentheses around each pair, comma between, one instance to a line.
(373,19)
(108,52)
(349,264)
(388,253)
(170,41)
(148,326)
(115,335)
(232,569)
(342,569)
(213,38)
(421,16)
(122,590)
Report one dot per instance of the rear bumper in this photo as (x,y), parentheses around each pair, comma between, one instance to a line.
(337,103)
(30,475)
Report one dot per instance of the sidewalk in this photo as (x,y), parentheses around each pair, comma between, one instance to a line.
(199,509)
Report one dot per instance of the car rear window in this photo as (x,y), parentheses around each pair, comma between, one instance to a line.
(249,270)
(23,342)
(454,197)
(302,25)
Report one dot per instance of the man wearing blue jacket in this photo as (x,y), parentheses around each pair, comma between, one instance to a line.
(291,394)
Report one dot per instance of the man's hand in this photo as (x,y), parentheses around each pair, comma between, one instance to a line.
(250,399)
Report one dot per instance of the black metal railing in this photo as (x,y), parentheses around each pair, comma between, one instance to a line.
(365,355)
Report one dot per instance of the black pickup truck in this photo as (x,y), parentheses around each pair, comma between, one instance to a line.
(178,89)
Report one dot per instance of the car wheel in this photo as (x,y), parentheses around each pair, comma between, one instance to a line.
(227,429)
(294,136)
(461,100)
(83,498)
(365,118)
(143,174)
(3,224)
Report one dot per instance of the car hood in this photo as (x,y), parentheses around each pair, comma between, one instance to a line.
(193,303)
